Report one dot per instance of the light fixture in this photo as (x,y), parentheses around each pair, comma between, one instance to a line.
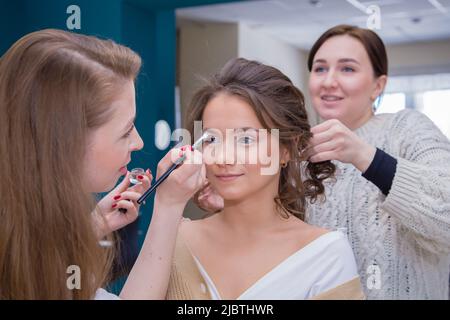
(315,3)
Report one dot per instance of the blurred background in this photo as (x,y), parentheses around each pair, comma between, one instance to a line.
(281,32)
(183,41)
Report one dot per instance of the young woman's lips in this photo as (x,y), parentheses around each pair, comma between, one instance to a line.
(228,177)
(330,99)
(123,170)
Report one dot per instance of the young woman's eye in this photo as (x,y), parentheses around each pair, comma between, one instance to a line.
(126,135)
(210,139)
(319,69)
(246,140)
(348,69)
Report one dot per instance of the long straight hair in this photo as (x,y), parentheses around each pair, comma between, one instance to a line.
(55,88)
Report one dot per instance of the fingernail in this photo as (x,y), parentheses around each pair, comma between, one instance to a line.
(190,147)
(140,177)
(183,148)
(116,197)
(114,205)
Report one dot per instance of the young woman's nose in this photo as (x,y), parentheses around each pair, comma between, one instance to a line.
(137,143)
(330,79)
(225,153)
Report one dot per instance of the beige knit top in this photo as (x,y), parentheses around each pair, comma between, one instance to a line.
(401,242)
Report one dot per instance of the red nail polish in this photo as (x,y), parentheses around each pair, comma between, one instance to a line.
(140,177)
(190,147)
(183,148)
(117,197)
(114,205)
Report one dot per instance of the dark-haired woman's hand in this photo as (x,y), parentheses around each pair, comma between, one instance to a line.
(332,140)
(109,215)
(208,199)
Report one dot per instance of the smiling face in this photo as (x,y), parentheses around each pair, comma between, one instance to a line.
(342,84)
(233,125)
(110,146)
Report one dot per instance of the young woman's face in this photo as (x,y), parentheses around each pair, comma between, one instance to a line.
(110,146)
(233,163)
(342,84)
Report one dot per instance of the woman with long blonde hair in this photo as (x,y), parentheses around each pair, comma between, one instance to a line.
(67,108)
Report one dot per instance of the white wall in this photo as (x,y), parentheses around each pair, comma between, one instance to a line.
(418,58)
(257,45)
(203,49)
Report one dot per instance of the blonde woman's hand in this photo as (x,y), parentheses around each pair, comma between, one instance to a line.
(184,181)
(332,140)
(110,214)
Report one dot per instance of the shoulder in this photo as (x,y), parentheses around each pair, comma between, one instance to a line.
(188,225)
(196,230)
(335,262)
(337,244)
(332,255)
(411,131)
(409,118)
(304,232)
(326,240)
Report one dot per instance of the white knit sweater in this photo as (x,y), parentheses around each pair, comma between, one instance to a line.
(401,242)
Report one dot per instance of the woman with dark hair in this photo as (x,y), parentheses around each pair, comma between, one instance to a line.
(392,189)
(258,246)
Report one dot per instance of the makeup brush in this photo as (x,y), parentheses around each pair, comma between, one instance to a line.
(175,165)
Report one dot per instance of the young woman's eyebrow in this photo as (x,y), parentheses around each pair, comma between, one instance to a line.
(235,129)
(319,61)
(344,60)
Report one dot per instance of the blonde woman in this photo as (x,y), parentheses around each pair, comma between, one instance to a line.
(66,132)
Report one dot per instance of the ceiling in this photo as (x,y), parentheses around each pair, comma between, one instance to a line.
(301,22)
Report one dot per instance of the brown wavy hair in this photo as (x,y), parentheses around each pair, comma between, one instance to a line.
(277,104)
(55,88)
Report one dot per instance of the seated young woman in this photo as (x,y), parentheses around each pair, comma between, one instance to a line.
(258,246)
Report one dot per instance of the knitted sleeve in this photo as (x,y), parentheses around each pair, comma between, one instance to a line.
(420,194)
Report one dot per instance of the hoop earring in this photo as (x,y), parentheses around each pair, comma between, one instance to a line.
(283,164)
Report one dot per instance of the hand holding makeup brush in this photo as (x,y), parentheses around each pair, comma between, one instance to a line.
(183,182)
